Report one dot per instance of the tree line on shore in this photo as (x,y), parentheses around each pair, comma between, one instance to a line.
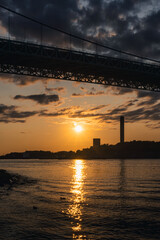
(131,150)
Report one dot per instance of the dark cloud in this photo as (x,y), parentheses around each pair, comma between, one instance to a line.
(40,98)
(95,93)
(112,90)
(59,112)
(98,107)
(50,114)
(150,116)
(18,114)
(136,33)
(60,14)
(58,89)
(153,125)
(5,108)
(11,121)
(109,90)
(10,114)
(131,103)
(118,90)
(21,80)
(148,98)
(125,24)
(89,93)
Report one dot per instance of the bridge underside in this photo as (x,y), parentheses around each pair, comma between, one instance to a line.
(49,62)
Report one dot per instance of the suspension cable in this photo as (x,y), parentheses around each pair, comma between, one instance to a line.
(78,37)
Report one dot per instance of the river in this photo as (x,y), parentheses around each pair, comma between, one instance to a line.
(82,199)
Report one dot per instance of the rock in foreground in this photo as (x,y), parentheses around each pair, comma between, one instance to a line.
(10,179)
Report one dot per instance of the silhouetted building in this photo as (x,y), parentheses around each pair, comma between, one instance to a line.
(122,129)
(96,142)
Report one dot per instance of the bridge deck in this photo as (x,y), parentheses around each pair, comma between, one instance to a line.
(50,62)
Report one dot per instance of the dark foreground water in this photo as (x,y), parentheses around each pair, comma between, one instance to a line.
(82,199)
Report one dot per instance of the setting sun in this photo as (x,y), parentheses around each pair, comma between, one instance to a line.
(78,128)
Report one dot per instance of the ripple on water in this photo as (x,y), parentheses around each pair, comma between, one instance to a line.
(82,199)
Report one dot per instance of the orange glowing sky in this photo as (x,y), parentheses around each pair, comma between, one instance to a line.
(41,114)
(31,123)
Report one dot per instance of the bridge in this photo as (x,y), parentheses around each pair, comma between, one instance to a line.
(34,58)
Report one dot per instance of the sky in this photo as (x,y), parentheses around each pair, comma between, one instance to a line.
(41,114)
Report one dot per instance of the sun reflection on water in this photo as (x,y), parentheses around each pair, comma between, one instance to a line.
(75,209)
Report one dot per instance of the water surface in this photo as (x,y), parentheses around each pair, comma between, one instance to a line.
(82,199)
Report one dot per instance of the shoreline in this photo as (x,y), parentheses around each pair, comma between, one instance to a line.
(8,179)
(80,158)
(126,150)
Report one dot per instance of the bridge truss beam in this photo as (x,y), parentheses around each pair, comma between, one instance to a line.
(49,62)
(70,76)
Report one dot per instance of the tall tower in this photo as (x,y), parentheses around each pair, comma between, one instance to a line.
(122,129)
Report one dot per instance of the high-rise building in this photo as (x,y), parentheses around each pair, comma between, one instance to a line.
(122,129)
(96,142)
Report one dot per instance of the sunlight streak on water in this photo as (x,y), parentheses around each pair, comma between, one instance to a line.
(82,199)
(75,209)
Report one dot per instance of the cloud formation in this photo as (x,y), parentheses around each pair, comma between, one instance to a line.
(88,93)
(10,114)
(58,89)
(42,99)
(107,114)
(21,81)
(118,90)
(131,25)
(99,114)
(148,98)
